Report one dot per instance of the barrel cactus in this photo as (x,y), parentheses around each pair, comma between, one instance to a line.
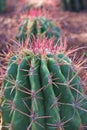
(42,90)
(2,5)
(33,27)
(74,5)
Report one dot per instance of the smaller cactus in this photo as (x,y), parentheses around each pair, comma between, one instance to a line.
(74,5)
(2,5)
(38,27)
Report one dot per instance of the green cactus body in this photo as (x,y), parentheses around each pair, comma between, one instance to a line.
(21,97)
(8,70)
(37,107)
(51,110)
(23,30)
(11,74)
(2,5)
(74,5)
(38,27)
(43,98)
(9,92)
(75,87)
(72,120)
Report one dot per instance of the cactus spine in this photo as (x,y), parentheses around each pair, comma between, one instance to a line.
(46,93)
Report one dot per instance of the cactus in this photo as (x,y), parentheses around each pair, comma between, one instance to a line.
(2,5)
(74,5)
(38,26)
(42,91)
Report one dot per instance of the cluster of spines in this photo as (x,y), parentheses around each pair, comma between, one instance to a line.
(42,91)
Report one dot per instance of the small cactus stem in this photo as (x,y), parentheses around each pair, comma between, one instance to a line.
(38,27)
(62,89)
(50,112)
(23,30)
(2,6)
(73,5)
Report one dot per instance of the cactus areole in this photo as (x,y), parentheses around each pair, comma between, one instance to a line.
(41,90)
